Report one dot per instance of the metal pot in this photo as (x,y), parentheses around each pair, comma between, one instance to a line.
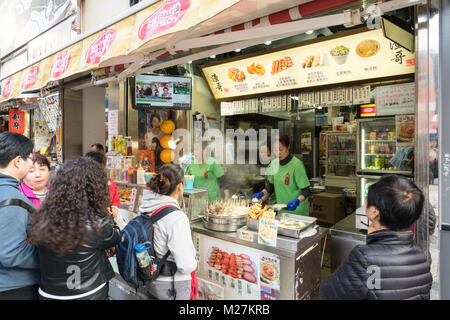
(223,223)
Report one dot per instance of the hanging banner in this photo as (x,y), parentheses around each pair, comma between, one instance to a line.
(356,57)
(17,121)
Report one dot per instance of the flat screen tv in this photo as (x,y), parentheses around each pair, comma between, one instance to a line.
(163,92)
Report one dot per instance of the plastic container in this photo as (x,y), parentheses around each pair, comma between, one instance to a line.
(189,182)
(144,260)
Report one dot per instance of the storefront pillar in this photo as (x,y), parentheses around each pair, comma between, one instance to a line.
(444,154)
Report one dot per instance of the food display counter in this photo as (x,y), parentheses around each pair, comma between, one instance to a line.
(289,271)
(344,237)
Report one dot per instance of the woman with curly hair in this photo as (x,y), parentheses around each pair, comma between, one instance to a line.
(72,231)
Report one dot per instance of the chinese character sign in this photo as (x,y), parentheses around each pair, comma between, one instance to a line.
(16,121)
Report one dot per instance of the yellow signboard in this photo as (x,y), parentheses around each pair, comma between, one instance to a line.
(361,56)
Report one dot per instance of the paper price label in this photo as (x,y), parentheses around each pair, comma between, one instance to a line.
(246,236)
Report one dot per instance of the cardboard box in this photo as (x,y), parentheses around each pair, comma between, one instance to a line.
(328,207)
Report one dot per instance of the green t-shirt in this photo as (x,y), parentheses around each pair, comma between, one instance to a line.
(206,176)
(289,180)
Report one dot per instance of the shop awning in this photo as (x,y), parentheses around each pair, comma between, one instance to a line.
(119,39)
(167,28)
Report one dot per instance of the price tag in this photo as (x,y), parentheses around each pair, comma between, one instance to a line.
(133,199)
(246,236)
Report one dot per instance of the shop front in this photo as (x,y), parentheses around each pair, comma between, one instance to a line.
(348,103)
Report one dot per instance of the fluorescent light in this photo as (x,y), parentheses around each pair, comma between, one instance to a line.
(268,43)
(309,32)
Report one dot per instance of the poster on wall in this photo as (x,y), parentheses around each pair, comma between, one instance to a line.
(306,142)
(243,273)
(395,99)
(355,57)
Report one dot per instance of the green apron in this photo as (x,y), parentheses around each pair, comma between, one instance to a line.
(289,180)
(206,176)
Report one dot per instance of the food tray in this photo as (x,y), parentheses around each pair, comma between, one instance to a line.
(293,233)
(253,224)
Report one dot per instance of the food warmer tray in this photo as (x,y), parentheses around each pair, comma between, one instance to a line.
(253,224)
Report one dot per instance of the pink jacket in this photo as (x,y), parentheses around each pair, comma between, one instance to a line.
(30,194)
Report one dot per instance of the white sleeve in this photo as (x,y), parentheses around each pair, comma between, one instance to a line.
(180,244)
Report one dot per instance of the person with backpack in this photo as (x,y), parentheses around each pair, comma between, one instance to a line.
(19,261)
(166,231)
(72,231)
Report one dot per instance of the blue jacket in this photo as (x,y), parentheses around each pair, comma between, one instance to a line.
(19,261)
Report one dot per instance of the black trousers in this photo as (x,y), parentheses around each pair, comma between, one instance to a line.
(25,293)
(102,294)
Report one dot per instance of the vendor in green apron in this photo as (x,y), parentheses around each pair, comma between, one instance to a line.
(287,178)
(208,174)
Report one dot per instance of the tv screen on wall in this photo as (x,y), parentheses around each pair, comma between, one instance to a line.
(163,92)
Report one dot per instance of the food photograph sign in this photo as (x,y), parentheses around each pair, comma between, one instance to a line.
(361,56)
(243,273)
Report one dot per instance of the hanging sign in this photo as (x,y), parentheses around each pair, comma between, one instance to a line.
(16,121)
(362,56)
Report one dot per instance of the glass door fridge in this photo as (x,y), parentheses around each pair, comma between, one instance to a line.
(382,151)
(364,182)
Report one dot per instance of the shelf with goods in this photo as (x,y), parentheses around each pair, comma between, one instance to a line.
(341,163)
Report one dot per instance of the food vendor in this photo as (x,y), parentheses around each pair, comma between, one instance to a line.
(287,178)
(154,132)
(265,157)
(208,174)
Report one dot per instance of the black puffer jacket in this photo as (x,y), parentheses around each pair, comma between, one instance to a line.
(404,272)
(82,271)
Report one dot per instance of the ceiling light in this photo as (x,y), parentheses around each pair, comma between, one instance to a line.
(190,62)
(309,32)
(237,50)
(213,56)
(268,43)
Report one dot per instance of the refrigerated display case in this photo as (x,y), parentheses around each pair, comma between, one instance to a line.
(378,146)
(341,160)
(364,182)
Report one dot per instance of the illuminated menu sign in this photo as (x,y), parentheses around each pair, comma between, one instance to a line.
(362,56)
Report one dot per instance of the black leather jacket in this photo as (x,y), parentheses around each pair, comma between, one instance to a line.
(403,270)
(82,271)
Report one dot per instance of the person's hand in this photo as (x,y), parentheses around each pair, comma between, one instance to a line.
(293,205)
(258,195)
(114,211)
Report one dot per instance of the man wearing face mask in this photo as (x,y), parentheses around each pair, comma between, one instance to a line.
(287,178)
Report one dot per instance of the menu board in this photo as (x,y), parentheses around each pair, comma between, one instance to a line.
(362,56)
(395,99)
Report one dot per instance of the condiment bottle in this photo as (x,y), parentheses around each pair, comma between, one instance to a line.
(130,174)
